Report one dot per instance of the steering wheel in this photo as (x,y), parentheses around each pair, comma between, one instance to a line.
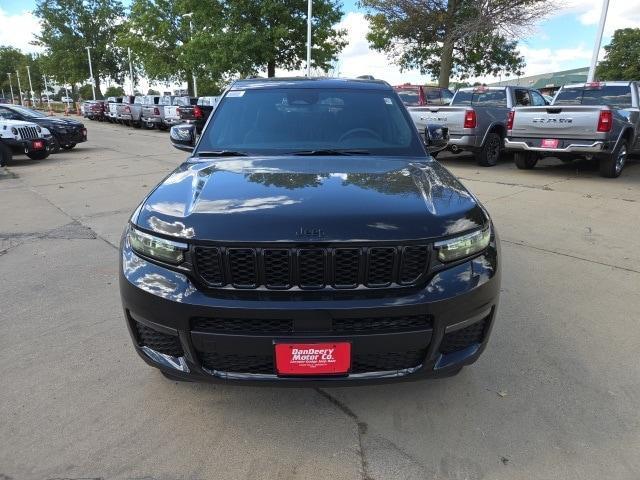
(355,131)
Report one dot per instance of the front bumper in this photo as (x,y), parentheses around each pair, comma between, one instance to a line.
(165,308)
(71,136)
(26,146)
(564,146)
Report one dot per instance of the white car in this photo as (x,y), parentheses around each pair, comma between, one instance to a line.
(66,100)
(18,136)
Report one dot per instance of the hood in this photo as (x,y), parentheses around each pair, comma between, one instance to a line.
(292,199)
(57,122)
(7,124)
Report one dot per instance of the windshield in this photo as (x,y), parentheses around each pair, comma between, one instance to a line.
(27,112)
(286,120)
(409,97)
(617,97)
(480,98)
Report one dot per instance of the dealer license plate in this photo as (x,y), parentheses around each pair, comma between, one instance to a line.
(313,358)
(550,143)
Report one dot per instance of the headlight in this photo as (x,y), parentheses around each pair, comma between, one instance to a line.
(14,130)
(156,247)
(463,246)
(38,129)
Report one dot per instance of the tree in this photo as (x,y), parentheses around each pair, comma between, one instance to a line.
(114,91)
(271,34)
(445,38)
(12,60)
(68,27)
(158,33)
(622,58)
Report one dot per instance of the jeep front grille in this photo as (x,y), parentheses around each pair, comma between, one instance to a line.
(282,268)
(28,133)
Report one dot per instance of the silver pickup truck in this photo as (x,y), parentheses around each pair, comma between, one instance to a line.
(130,110)
(598,120)
(477,118)
(153,112)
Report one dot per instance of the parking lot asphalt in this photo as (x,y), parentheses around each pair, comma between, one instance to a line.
(555,395)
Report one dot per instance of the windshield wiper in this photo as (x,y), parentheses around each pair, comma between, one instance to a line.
(329,151)
(221,153)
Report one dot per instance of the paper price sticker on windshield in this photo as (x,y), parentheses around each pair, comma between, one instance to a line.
(388,101)
(313,358)
(235,93)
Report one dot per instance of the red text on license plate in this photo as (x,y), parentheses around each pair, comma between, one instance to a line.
(313,358)
(550,143)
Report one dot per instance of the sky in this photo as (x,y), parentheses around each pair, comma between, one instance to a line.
(561,41)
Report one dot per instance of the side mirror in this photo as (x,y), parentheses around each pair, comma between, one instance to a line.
(183,137)
(436,137)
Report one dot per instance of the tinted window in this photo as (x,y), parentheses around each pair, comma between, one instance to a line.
(522,98)
(487,98)
(275,121)
(409,97)
(446,96)
(433,96)
(27,112)
(538,100)
(616,96)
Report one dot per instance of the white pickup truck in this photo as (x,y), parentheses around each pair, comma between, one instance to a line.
(599,120)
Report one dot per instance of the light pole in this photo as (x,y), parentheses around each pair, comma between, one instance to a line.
(93,85)
(19,87)
(131,72)
(46,90)
(11,87)
(309,4)
(596,47)
(30,84)
(195,85)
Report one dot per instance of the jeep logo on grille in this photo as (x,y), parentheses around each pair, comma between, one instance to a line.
(310,232)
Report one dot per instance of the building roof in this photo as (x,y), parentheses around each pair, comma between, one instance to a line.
(548,80)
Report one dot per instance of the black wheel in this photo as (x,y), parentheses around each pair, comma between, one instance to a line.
(6,155)
(611,166)
(490,152)
(39,155)
(54,145)
(69,146)
(174,378)
(525,160)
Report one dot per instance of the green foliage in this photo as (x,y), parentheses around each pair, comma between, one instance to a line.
(86,93)
(12,60)
(460,38)
(114,91)
(267,34)
(622,60)
(68,27)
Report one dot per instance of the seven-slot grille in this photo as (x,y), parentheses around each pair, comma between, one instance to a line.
(28,133)
(312,268)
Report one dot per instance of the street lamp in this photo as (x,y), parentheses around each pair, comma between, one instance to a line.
(309,4)
(46,90)
(19,87)
(11,87)
(30,84)
(596,47)
(131,72)
(93,86)
(195,85)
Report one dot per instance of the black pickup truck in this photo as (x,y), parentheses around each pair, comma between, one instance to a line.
(309,239)
(198,114)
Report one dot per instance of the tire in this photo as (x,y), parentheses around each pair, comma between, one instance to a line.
(525,160)
(6,155)
(39,155)
(612,165)
(55,145)
(70,146)
(490,152)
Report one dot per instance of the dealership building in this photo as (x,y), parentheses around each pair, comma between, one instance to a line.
(548,83)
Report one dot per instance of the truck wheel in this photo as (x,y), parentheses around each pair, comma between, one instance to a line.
(525,160)
(490,152)
(39,155)
(6,155)
(611,166)
(55,145)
